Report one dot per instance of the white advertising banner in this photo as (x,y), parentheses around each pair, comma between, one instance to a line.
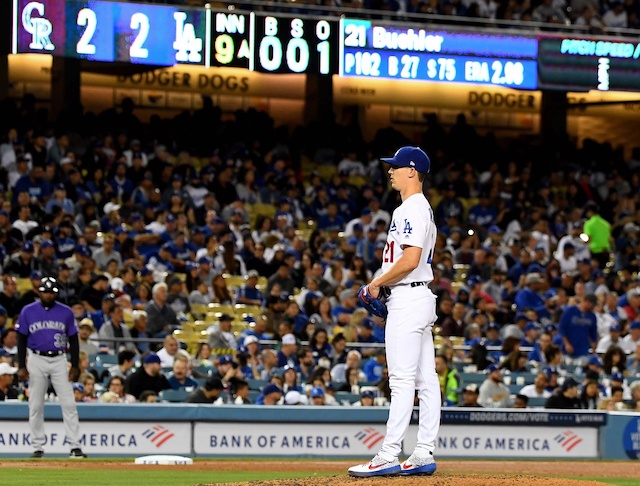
(125,438)
(500,441)
(290,439)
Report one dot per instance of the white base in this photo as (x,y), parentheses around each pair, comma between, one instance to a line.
(164,460)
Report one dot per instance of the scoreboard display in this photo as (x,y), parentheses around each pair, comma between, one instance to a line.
(378,49)
(583,64)
(111,32)
(281,43)
(165,35)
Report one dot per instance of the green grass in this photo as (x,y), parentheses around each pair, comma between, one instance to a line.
(615,481)
(166,477)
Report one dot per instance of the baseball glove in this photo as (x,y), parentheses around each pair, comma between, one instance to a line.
(373,305)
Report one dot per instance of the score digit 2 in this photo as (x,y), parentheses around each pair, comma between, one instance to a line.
(388,252)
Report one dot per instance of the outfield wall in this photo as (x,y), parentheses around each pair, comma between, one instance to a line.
(332,432)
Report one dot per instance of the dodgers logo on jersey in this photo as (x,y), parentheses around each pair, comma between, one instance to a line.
(393,226)
(39,27)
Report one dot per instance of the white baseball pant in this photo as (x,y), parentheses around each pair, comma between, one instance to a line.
(41,368)
(411,364)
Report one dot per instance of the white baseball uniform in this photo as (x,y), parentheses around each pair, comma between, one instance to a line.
(408,333)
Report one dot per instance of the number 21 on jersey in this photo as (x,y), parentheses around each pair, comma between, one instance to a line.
(388,252)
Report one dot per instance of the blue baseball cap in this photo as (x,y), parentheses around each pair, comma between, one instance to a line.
(28,247)
(491,368)
(410,157)
(36,275)
(634,325)
(550,328)
(617,376)
(146,270)
(204,259)
(271,388)
(83,250)
(151,358)
(78,386)
(225,360)
(367,394)
(530,326)
(594,359)
(473,281)
(519,316)
(46,244)
(493,325)
(316,391)
(615,328)
(495,229)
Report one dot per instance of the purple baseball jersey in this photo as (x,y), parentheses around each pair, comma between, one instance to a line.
(47,330)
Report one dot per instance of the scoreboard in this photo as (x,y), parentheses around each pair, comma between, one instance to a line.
(165,35)
(280,43)
(379,49)
(582,64)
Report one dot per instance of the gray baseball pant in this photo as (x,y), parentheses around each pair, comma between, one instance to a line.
(41,368)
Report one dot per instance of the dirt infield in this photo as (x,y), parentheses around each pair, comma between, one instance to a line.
(450,472)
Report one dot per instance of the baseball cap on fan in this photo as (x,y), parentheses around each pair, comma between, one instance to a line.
(410,157)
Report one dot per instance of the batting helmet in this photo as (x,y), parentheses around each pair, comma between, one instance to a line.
(48,284)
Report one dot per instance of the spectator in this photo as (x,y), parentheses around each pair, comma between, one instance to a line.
(162,319)
(78,391)
(88,381)
(7,375)
(169,351)
(634,403)
(148,396)
(530,297)
(294,397)
(493,392)
(374,365)
(85,331)
(114,333)
(470,394)
(287,355)
(210,393)
(227,369)
(317,396)
(449,381)
(9,295)
(521,401)
(590,396)
(179,378)
(139,330)
(116,386)
(615,17)
(578,328)
(148,377)
(610,340)
(125,366)
(222,339)
(537,389)
(248,293)
(271,395)
(599,231)
(566,397)
(629,343)
(614,360)
(454,325)
(354,360)
(617,381)
(202,357)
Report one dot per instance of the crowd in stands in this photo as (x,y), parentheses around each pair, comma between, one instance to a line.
(589,16)
(212,258)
